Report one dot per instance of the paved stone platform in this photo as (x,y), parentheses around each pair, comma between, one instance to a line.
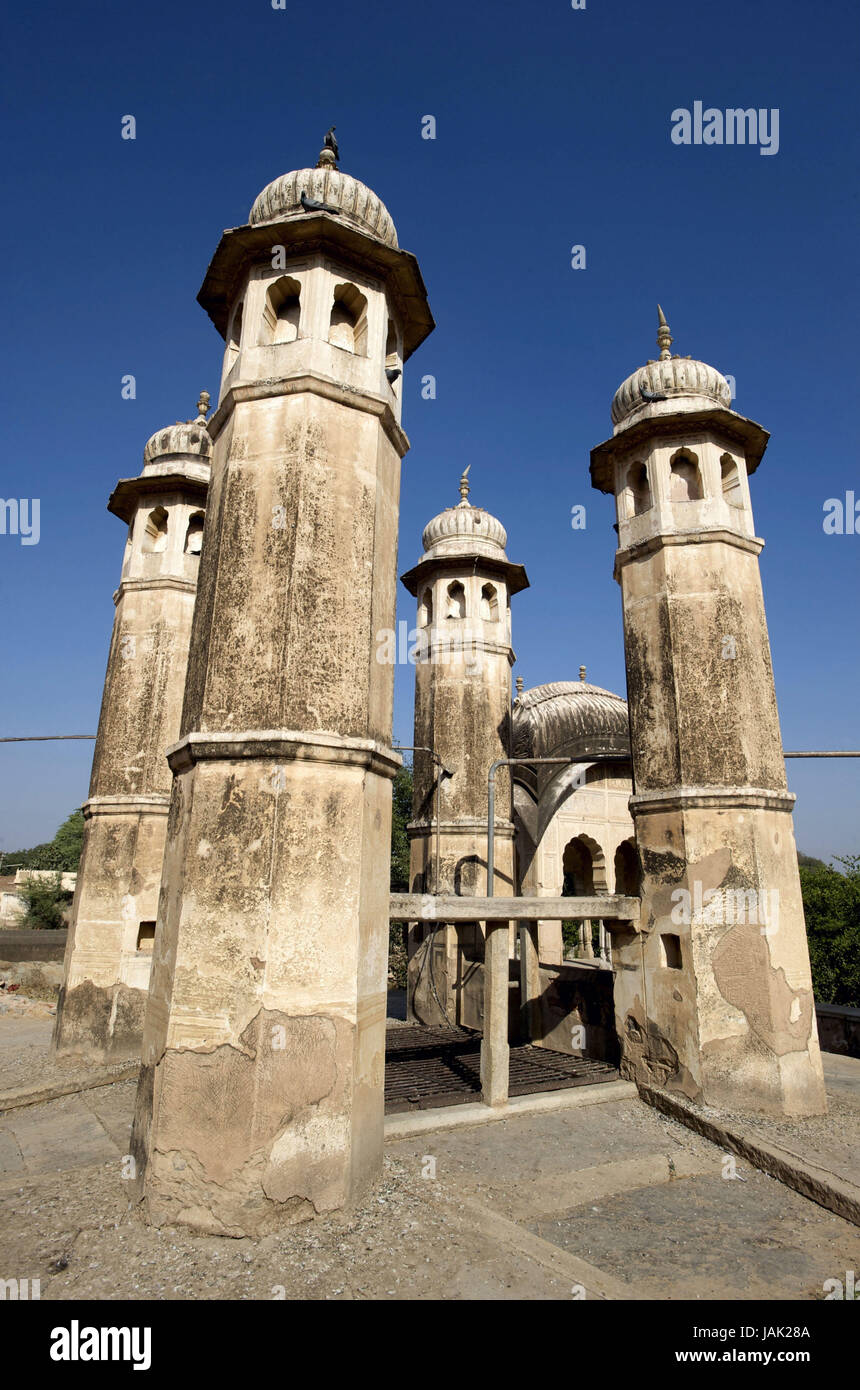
(611,1201)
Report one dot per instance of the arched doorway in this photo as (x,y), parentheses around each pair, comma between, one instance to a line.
(584,867)
(628,870)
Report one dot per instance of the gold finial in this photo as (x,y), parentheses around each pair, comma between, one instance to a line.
(664,336)
(520,684)
(203,405)
(464,486)
(582,673)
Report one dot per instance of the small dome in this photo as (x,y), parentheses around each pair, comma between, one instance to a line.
(354,201)
(464,529)
(565,714)
(684,382)
(188,437)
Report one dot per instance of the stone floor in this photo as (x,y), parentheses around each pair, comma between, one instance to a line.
(608,1201)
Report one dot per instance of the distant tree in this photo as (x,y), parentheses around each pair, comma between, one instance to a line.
(62,853)
(401,814)
(831,904)
(68,842)
(806,861)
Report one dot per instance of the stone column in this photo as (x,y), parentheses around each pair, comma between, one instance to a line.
(714,997)
(109,949)
(463,585)
(261,1097)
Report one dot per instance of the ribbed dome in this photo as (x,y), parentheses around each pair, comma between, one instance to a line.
(563,713)
(463,523)
(356,203)
(464,529)
(185,437)
(685,382)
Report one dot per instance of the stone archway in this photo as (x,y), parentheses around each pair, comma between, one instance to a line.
(584,867)
(628,870)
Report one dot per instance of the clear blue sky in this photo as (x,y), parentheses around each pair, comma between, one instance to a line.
(553,128)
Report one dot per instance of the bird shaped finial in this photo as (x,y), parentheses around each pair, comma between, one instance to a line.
(582,673)
(464,485)
(664,336)
(203,405)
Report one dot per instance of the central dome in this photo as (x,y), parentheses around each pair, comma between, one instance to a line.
(551,717)
(350,199)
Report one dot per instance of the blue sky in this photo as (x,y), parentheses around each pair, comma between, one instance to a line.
(553,129)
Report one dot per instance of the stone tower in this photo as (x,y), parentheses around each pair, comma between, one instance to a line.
(715,998)
(109,949)
(463,584)
(261,1096)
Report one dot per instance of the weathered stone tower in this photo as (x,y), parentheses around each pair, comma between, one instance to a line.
(109,950)
(261,1097)
(463,584)
(715,997)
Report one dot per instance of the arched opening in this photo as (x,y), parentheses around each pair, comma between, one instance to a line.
(194,534)
(456,607)
(392,353)
(640,489)
(732,492)
(489,603)
(234,337)
(425,609)
(348,320)
(686,480)
(584,868)
(628,871)
(155,532)
(282,312)
(578,868)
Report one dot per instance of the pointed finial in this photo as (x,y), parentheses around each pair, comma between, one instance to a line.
(464,486)
(664,336)
(582,673)
(520,684)
(203,405)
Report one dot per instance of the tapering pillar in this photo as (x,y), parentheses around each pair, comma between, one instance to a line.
(109,948)
(463,585)
(714,994)
(261,1098)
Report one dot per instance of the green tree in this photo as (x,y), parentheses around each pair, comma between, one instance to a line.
(401,814)
(62,853)
(46,901)
(831,904)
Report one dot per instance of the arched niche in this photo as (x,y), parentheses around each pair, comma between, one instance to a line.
(348,320)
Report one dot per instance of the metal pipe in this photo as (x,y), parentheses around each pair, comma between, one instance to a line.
(587,758)
(842,753)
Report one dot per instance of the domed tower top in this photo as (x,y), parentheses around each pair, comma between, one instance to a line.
(325,189)
(185,439)
(177,456)
(464,529)
(669,397)
(304,224)
(668,385)
(465,533)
